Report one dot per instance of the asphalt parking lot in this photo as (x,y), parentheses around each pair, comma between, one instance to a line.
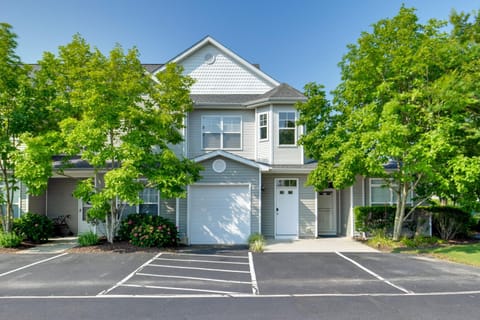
(235,273)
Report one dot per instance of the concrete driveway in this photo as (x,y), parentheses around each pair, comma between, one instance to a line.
(327,244)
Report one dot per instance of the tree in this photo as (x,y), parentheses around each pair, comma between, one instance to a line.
(20,114)
(395,104)
(122,121)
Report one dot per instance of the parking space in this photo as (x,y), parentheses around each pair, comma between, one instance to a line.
(189,273)
(231,273)
(422,274)
(65,274)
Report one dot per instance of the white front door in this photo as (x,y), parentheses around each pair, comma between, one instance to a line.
(327,219)
(286,208)
(83,225)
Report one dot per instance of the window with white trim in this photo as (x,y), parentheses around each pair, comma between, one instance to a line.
(150,203)
(380,193)
(287,130)
(263,126)
(221,132)
(15,202)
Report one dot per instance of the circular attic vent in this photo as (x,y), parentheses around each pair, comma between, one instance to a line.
(209,58)
(219,165)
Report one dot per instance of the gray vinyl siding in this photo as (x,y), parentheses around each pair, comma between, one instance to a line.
(194,128)
(23,198)
(346,205)
(182,218)
(285,154)
(306,213)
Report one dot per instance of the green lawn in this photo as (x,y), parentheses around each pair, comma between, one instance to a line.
(462,253)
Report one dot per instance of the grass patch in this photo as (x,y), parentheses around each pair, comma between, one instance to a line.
(461,253)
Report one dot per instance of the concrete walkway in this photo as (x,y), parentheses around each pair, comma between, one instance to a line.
(339,244)
(54,245)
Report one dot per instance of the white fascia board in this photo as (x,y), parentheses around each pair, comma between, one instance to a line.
(290,170)
(268,101)
(233,157)
(219,46)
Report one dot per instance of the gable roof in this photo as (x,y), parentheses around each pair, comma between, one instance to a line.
(208,40)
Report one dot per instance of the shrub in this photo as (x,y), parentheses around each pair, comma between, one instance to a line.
(420,242)
(450,222)
(34,227)
(371,219)
(381,241)
(9,240)
(86,239)
(256,242)
(149,231)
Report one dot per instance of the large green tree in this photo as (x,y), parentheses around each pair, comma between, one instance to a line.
(21,114)
(401,101)
(121,120)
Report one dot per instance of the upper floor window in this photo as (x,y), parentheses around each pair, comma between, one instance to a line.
(286,128)
(222,132)
(380,193)
(263,126)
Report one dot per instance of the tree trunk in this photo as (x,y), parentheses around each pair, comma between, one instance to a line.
(400,211)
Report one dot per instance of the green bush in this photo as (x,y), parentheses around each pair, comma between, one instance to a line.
(256,242)
(148,231)
(450,222)
(420,242)
(371,219)
(89,238)
(380,240)
(34,227)
(9,240)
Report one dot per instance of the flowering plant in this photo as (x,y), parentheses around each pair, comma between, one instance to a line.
(149,231)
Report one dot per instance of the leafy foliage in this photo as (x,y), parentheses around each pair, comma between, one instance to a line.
(256,242)
(89,238)
(119,119)
(368,219)
(10,240)
(450,222)
(408,97)
(34,227)
(149,231)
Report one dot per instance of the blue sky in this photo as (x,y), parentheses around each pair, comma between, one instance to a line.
(293,41)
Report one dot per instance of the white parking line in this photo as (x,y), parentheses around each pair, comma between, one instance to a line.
(195,268)
(32,264)
(374,274)
(179,289)
(121,282)
(253,275)
(191,278)
(208,255)
(206,261)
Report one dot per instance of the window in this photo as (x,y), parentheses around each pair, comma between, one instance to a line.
(150,201)
(382,194)
(286,183)
(149,205)
(286,128)
(15,202)
(263,126)
(221,132)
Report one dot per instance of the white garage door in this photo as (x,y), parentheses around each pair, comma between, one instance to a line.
(219,214)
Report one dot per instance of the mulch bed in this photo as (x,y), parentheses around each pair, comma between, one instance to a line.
(116,247)
(25,245)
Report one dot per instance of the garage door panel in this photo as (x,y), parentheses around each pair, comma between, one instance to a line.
(219,214)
